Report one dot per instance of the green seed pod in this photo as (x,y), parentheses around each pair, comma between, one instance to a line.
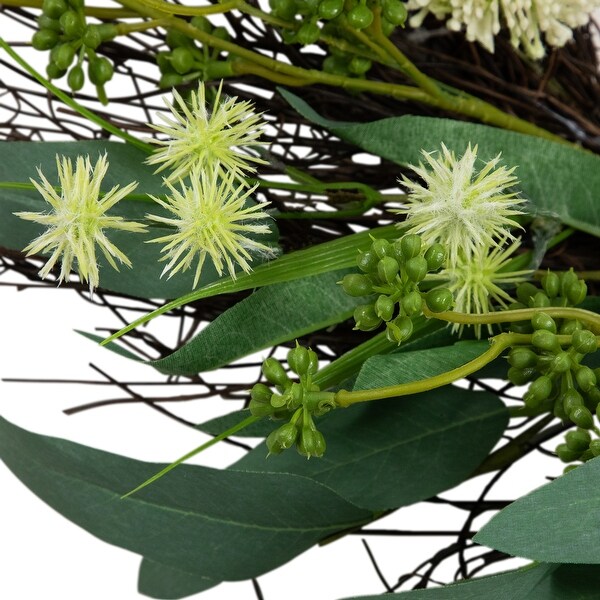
(569,468)
(45,22)
(53,71)
(170,80)
(543,321)
(584,341)
(538,391)
(577,292)
(416,269)
(64,56)
(587,455)
(279,401)
(570,327)
(54,8)
(357,285)
(399,330)
(92,37)
(100,71)
(108,32)
(571,400)
(72,24)
(410,245)
(592,399)
(313,362)
(412,303)
(201,23)
(540,300)
(261,393)
(284,9)
(366,318)
(517,306)
(295,396)
(522,358)
(76,78)
(551,284)
(308,34)
(567,280)
(566,454)
(582,417)
(274,372)
(330,9)
(384,307)
(283,438)
(359,65)
(387,269)
(578,440)
(381,248)
(387,28)
(182,60)
(360,17)
(595,447)
(561,363)
(367,261)
(395,12)
(259,409)
(559,410)
(311,443)
(175,38)
(435,257)
(544,340)
(44,39)
(586,378)
(521,376)
(298,359)
(526,292)
(439,300)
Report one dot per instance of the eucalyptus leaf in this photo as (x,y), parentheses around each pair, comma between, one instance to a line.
(391,453)
(224,525)
(561,182)
(539,582)
(558,522)
(126,164)
(164,582)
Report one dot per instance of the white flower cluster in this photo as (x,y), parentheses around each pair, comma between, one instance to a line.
(526,20)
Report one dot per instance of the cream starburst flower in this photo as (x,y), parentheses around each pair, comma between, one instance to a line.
(211,220)
(477,282)
(214,139)
(526,20)
(460,207)
(77,221)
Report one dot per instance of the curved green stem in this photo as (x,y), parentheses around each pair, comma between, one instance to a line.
(126,28)
(499,343)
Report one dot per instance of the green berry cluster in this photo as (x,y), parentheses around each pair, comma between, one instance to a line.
(560,383)
(578,446)
(186,61)
(334,18)
(394,271)
(63,30)
(297,401)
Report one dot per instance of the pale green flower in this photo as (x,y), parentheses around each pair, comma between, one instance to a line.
(476,282)
(462,208)
(77,221)
(210,220)
(213,139)
(525,20)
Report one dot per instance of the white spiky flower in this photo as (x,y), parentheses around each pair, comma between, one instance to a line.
(459,206)
(214,139)
(211,219)
(77,221)
(526,20)
(477,282)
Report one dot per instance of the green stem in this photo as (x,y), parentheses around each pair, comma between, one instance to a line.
(125,28)
(499,343)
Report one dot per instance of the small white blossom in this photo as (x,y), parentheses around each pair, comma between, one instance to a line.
(210,220)
(462,208)
(526,20)
(77,221)
(214,139)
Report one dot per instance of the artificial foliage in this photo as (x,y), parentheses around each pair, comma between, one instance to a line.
(462,252)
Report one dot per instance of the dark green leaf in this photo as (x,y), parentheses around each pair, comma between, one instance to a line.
(19,163)
(272,315)
(548,181)
(555,523)
(395,452)
(541,582)
(169,583)
(225,525)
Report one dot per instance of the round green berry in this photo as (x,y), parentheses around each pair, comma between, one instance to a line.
(274,372)
(387,269)
(595,447)
(561,362)
(412,303)
(359,65)
(201,23)
(526,292)
(313,362)
(395,12)
(182,60)
(367,261)
(284,9)
(356,285)
(54,8)
(399,330)
(543,321)
(54,72)
(551,284)
(92,37)
(439,300)
(545,340)
(566,454)
(416,269)
(435,257)
(64,56)
(521,376)
(298,359)
(360,17)
(100,71)
(308,34)
(570,327)
(586,378)
(283,438)
(45,22)
(76,78)
(72,24)
(571,399)
(567,280)
(366,318)
(311,443)
(584,341)
(410,244)
(538,391)
(582,417)
(44,39)
(578,440)
(381,248)
(330,9)
(577,292)
(521,357)
(540,300)
(384,307)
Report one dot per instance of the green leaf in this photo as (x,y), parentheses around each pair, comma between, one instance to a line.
(561,181)
(225,525)
(558,522)
(126,164)
(540,582)
(392,453)
(170,583)
(272,315)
